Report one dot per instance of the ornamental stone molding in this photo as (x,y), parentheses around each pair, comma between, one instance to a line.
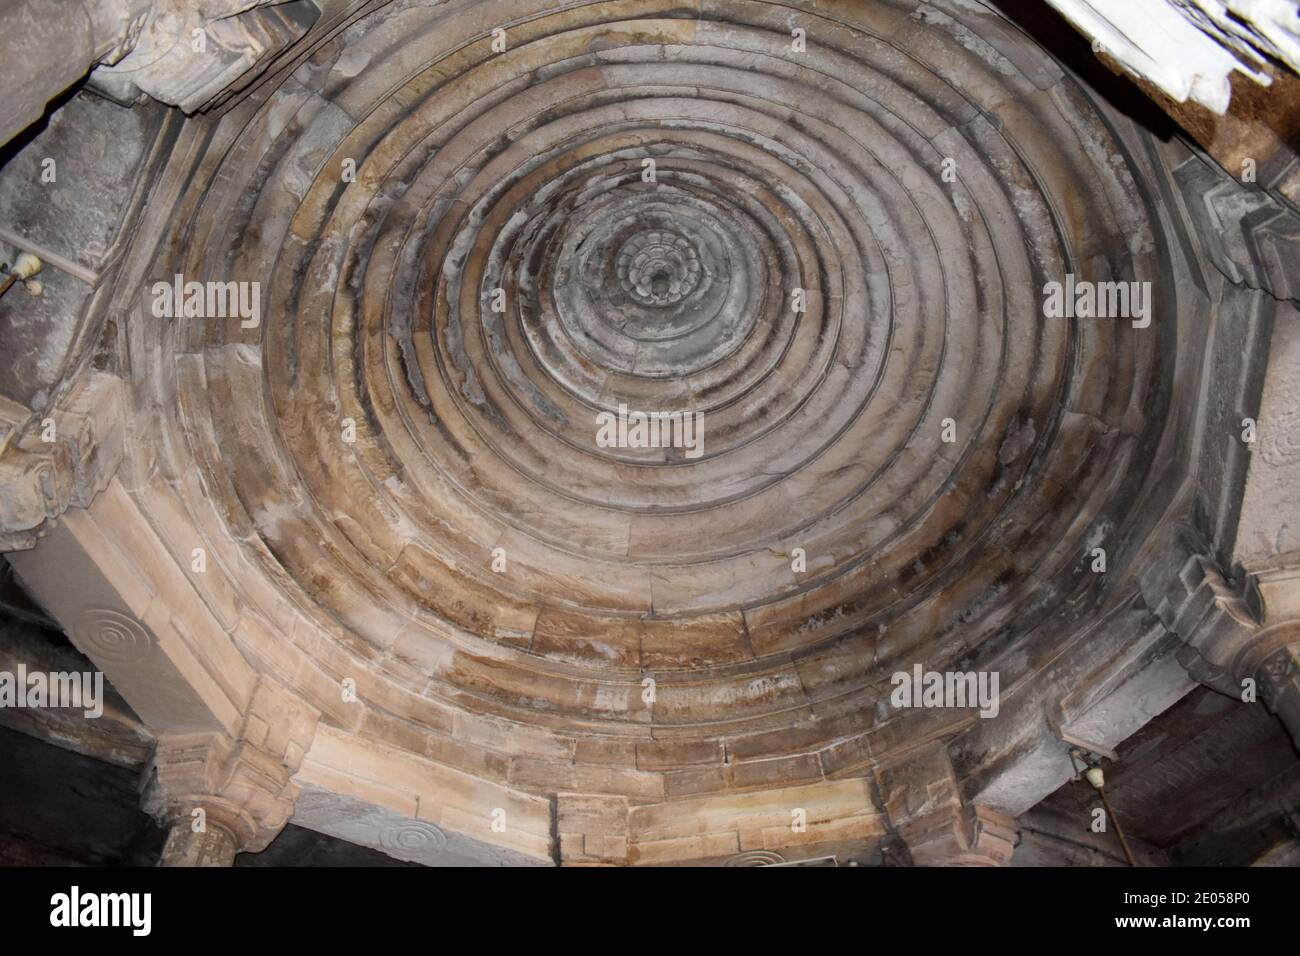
(238,788)
(57,461)
(1252,238)
(216,797)
(1240,639)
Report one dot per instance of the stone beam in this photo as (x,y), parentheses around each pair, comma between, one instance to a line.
(1263,824)
(382,797)
(1268,532)
(1053,838)
(137,617)
(834,818)
(1113,678)
(116,735)
(399,834)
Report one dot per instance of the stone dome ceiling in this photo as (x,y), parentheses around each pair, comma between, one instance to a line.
(682,210)
(616,398)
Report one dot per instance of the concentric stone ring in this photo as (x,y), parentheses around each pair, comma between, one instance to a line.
(728,432)
(837,266)
(799,272)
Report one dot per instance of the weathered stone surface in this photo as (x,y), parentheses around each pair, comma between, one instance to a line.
(375,541)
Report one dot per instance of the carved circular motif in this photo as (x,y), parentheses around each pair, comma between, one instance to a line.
(414,836)
(755,858)
(839,264)
(658,267)
(112,636)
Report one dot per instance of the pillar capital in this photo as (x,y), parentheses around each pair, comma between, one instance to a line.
(220,795)
(205,841)
(961,836)
(210,782)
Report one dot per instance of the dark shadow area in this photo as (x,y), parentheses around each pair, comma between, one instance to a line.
(1073,51)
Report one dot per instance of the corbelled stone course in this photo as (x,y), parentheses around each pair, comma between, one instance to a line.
(376,536)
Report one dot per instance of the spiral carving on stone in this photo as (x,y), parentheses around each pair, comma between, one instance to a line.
(755,858)
(108,635)
(902,458)
(413,836)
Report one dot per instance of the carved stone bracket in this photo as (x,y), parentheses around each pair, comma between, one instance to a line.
(192,54)
(62,461)
(220,795)
(1233,634)
(1252,238)
(961,836)
(923,801)
(1212,618)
